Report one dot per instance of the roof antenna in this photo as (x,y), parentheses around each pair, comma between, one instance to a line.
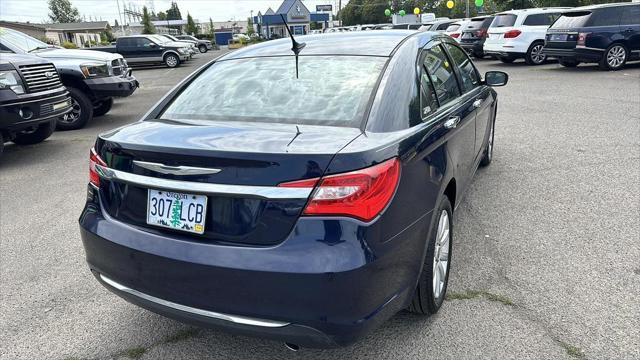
(296,46)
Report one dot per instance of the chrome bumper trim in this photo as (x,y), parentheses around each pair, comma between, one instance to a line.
(211,314)
(262,192)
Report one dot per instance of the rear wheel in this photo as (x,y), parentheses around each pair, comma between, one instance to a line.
(614,57)
(172,60)
(81,112)
(432,285)
(568,62)
(35,135)
(202,48)
(488,150)
(534,55)
(507,59)
(102,107)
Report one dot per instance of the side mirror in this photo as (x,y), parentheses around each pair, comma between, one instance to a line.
(496,78)
(152,45)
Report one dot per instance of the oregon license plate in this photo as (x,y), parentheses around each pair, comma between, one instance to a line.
(185,212)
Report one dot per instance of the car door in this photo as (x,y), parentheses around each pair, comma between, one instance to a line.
(455,109)
(630,27)
(148,50)
(472,87)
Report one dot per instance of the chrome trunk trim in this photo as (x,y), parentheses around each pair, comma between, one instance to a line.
(210,314)
(263,192)
(175,170)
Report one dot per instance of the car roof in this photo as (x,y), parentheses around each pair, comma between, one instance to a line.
(367,43)
(533,11)
(600,6)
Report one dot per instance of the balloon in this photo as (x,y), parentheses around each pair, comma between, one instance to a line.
(479,3)
(402,13)
(450,4)
(387,12)
(416,11)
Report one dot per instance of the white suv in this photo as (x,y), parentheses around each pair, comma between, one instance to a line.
(520,34)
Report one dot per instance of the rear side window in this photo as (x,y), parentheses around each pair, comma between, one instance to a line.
(429,100)
(443,27)
(441,74)
(468,73)
(540,19)
(453,27)
(606,17)
(631,15)
(415,26)
(504,20)
(572,20)
(265,89)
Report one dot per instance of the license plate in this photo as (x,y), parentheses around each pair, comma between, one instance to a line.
(60,105)
(558,37)
(185,212)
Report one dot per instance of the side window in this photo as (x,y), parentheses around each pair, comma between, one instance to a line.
(540,19)
(631,15)
(469,75)
(440,72)
(429,100)
(606,17)
(143,42)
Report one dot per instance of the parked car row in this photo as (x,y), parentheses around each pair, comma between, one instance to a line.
(151,49)
(45,87)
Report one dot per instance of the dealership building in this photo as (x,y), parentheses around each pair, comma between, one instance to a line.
(299,19)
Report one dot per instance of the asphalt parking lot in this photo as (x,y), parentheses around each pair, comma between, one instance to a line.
(546,259)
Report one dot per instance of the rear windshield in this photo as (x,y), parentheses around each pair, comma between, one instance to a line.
(330,90)
(504,20)
(474,24)
(453,27)
(572,20)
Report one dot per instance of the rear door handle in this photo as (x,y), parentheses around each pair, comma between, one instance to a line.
(452,122)
(477,103)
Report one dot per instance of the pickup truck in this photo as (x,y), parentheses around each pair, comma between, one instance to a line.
(32,97)
(93,79)
(149,49)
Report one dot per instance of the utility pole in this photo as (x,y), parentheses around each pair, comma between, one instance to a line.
(467,9)
(120,16)
(338,13)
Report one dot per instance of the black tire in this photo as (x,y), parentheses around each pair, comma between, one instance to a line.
(81,113)
(507,59)
(1,143)
(478,54)
(606,62)
(570,63)
(102,107)
(38,135)
(487,155)
(424,301)
(202,48)
(171,60)
(534,55)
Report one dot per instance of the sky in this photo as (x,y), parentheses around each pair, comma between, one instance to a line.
(219,10)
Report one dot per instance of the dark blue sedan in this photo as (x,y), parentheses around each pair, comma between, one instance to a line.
(301,196)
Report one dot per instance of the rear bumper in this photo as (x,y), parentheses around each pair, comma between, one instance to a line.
(577,54)
(505,48)
(475,47)
(323,286)
(113,86)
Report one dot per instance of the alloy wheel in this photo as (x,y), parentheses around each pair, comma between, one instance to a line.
(441,255)
(172,61)
(74,114)
(616,56)
(536,54)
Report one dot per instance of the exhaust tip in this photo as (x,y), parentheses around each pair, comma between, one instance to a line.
(292,347)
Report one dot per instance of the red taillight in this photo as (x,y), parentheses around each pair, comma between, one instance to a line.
(582,38)
(361,194)
(455,35)
(94,159)
(512,34)
(481,33)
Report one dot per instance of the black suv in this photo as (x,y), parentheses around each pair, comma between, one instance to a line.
(607,34)
(32,97)
(474,34)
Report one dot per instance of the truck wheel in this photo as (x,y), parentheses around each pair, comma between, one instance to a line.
(432,285)
(534,55)
(202,48)
(81,112)
(568,62)
(37,135)
(172,60)
(614,57)
(102,107)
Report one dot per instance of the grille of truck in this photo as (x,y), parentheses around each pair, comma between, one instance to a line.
(119,67)
(40,77)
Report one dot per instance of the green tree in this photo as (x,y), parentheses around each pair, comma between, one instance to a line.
(250,30)
(175,213)
(61,11)
(147,26)
(192,29)
(162,15)
(107,34)
(174,12)
(212,32)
